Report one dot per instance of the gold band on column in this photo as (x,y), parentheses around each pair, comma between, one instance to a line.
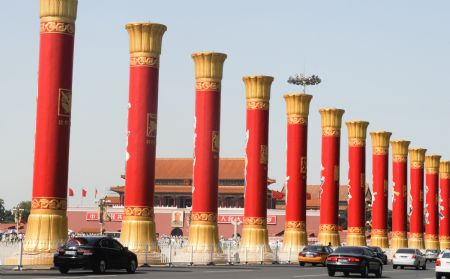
(417,158)
(444,242)
(380,142)
(356,236)
(379,238)
(297,108)
(400,150)
(257,91)
(415,240)
(331,121)
(255,240)
(294,235)
(328,233)
(399,240)
(432,163)
(203,232)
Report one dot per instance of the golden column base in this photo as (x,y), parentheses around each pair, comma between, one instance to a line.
(138,234)
(328,233)
(432,241)
(444,242)
(294,239)
(399,240)
(46,231)
(204,237)
(254,245)
(356,236)
(415,240)
(379,238)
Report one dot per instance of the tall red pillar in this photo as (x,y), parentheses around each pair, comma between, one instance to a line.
(254,232)
(297,109)
(444,205)
(138,225)
(380,171)
(329,188)
(357,133)
(400,199)
(431,201)
(47,223)
(417,159)
(203,232)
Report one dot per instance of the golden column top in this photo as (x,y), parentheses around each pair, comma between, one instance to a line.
(432,163)
(380,142)
(444,169)
(331,117)
(357,133)
(61,10)
(209,65)
(400,150)
(257,88)
(145,38)
(297,104)
(417,157)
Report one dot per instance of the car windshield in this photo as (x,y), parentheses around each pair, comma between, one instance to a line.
(349,250)
(313,249)
(405,251)
(81,241)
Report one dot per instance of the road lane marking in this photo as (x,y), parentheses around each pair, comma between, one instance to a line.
(311,275)
(82,276)
(224,271)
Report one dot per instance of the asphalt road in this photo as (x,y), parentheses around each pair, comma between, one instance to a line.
(220,272)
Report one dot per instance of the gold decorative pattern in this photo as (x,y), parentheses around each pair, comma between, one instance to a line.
(264,155)
(431,237)
(144,61)
(209,65)
(262,105)
(356,230)
(400,148)
(444,169)
(295,225)
(328,228)
(331,132)
(204,217)
(416,165)
(331,117)
(215,141)
(139,211)
(49,27)
(303,165)
(380,151)
(207,85)
(380,142)
(356,142)
(151,125)
(399,158)
(398,234)
(444,237)
(417,157)
(49,203)
(415,235)
(64,102)
(145,38)
(297,105)
(296,119)
(256,221)
(378,232)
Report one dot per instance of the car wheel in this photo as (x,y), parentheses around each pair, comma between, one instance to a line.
(394,266)
(439,276)
(417,265)
(402,267)
(424,266)
(302,264)
(365,272)
(346,273)
(132,266)
(331,273)
(63,269)
(101,266)
(379,272)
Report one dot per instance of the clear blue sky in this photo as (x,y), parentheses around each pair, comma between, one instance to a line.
(387,62)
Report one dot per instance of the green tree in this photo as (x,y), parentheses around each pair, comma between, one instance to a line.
(26,206)
(6,216)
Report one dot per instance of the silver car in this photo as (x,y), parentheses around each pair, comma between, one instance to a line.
(409,257)
(431,255)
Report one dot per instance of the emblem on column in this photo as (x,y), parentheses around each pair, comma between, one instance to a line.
(65,102)
(264,156)
(215,141)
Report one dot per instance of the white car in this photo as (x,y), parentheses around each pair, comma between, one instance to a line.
(409,257)
(443,265)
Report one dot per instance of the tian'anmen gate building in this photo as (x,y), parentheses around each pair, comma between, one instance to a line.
(173,201)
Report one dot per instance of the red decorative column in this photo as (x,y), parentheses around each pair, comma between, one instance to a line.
(329,188)
(417,159)
(47,223)
(380,172)
(138,225)
(254,231)
(203,232)
(297,108)
(357,132)
(431,201)
(444,205)
(400,199)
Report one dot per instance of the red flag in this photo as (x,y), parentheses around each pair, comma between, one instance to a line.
(83,193)
(71,194)
(276,195)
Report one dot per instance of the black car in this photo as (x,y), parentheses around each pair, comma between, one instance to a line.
(379,253)
(94,252)
(354,259)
